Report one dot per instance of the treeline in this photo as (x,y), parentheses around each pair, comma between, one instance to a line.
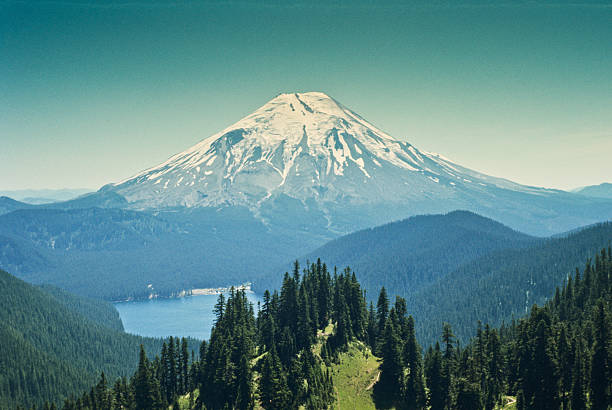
(53,344)
(560,356)
(502,285)
(411,254)
(267,360)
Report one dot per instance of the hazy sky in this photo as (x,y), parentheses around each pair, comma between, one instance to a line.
(92,92)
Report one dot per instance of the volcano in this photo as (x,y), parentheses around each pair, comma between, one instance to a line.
(306,158)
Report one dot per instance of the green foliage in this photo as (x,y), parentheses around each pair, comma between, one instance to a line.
(558,356)
(503,285)
(411,254)
(52,349)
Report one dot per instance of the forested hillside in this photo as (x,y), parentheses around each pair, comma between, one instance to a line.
(96,310)
(560,355)
(9,205)
(270,360)
(123,252)
(409,255)
(52,348)
(503,284)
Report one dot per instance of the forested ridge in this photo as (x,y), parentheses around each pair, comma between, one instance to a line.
(96,310)
(55,344)
(504,284)
(559,356)
(460,267)
(410,254)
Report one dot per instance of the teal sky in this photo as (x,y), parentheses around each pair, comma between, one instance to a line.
(92,92)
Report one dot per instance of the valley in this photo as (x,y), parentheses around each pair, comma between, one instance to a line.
(399,256)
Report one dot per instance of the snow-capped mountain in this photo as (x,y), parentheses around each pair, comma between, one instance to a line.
(308,152)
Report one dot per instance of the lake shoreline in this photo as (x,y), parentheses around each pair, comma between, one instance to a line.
(180,317)
(191,292)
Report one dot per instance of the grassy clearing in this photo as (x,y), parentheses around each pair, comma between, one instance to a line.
(354,377)
(184,401)
(509,403)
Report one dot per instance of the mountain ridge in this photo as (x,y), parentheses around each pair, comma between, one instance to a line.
(308,154)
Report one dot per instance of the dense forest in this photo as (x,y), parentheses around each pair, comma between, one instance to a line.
(54,344)
(115,254)
(460,267)
(560,356)
(557,357)
(503,285)
(410,254)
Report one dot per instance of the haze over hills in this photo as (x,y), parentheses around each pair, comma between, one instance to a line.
(603,190)
(408,255)
(301,170)
(43,196)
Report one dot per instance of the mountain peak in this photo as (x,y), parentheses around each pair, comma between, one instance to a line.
(305,146)
(303,104)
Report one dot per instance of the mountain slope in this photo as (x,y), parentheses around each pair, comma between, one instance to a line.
(597,191)
(408,255)
(96,310)
(116,254)
(84,229)
(9,205)
(306,156)
(50,351)
(503,284)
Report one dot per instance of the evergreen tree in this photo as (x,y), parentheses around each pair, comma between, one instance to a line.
(273,390)
(244,395)
(391,368)
(578,397)
(382,311)
(434,376)
(414,390)
(600,361)
(546,393)
(448,364)
(144,389)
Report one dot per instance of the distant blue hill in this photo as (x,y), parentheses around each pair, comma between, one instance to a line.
(408,255)
(596,191)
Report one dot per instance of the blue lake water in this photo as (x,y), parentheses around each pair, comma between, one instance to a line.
(189,316)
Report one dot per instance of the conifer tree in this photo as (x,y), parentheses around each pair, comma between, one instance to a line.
(382,311)
(391,368)
(304,325)
(414,390)
(273,390)
(600,360)
(267,327)
(448,363)
(144,389)
(546,392)
(578,397)
(434,376)
(244,395)
(184,367)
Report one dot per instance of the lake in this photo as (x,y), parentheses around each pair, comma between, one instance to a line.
(188,316)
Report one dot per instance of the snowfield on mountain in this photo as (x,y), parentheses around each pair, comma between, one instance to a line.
(307,153)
